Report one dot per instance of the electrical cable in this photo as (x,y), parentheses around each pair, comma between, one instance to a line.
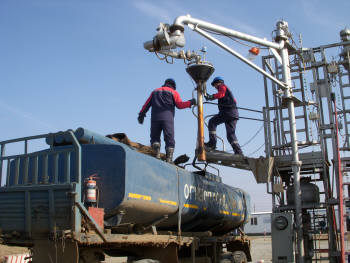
(247,142)
(250,155)
(253,137)
(224,105)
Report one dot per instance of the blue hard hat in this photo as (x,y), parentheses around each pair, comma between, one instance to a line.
(170,82)
(217,79)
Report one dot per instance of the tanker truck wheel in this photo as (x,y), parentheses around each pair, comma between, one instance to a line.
(234,257)
(239,257)
(146,260)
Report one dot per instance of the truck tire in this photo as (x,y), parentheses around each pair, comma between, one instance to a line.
(146,260)
(233,257)
(226,258)
(239,257)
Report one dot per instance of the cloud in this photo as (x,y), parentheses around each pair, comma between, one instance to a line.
(153,10)
(235,24)
(167,11)
(24,115)
(320,13)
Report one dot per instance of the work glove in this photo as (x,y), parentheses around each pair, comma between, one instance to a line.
(209,97)
(193,102)
(141,118)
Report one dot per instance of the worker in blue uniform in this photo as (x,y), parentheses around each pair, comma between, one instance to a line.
(228,114)
(163,101)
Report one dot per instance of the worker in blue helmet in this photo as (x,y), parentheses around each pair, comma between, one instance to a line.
(228,114)
(163,101)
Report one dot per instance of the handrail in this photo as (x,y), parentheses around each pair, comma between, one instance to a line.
(27,138)
(78,155)
(33,159)
(46,163)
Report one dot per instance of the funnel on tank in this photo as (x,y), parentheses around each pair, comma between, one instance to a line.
(200,72)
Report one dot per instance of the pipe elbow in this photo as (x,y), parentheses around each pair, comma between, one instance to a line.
(181,20)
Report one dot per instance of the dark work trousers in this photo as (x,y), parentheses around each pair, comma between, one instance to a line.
(168,132)
(230,124)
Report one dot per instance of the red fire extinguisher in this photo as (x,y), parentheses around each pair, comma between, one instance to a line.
(91,191)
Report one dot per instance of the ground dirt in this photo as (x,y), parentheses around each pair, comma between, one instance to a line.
(260,249)
(9,250)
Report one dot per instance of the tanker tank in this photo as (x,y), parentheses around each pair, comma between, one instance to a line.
(138,189)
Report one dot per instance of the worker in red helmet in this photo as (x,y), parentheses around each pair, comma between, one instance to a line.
(163,101)
(228,114)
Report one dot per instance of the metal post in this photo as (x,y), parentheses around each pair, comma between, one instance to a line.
(281,26)
(25,146)
(2,152)
(340,180)
(179,232)
(332,232)
(268,146)
(76,224)
(266,135)
(200,137)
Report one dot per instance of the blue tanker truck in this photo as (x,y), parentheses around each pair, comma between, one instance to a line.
(86,197)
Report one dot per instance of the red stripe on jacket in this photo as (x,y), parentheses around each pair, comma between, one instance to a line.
(222,92)
(177,99)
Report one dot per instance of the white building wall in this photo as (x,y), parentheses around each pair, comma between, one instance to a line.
(259,224)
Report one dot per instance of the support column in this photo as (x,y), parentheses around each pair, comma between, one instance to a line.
(282,30)
(200,137)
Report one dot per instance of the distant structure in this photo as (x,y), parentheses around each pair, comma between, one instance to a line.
(259,224)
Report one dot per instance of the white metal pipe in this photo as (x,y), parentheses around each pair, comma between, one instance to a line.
(239,56)
(296,163)
(185,20)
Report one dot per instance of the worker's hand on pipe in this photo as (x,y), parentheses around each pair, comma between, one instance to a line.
(209,97)
(141,118)
(193,102)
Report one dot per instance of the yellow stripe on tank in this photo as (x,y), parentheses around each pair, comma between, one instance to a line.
(191,206)
(138,196)
(236,214)
(167,202)
(225,212)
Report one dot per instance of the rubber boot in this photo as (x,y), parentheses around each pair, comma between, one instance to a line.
(209,146)
(169,155)
(237,148)
(156,149)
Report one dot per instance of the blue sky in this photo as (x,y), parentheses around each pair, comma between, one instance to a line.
(66,64)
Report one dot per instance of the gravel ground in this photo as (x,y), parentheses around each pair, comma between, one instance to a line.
(260,249)
(8,250)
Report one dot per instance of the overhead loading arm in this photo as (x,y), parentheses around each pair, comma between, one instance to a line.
(171,37)
(187,20)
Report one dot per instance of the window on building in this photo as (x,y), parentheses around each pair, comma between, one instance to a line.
(254,221)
